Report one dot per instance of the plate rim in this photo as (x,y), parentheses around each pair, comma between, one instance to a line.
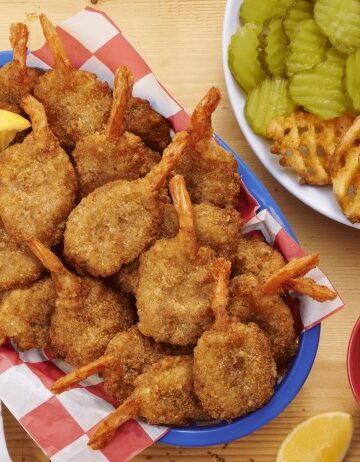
(251,138)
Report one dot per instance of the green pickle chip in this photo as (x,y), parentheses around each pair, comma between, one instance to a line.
(267,101)
(259,11)
(273,47)
(320,90)
(340,21)
(307,47)
(243,57)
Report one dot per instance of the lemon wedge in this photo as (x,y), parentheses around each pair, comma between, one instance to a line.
(10,124)
(322,438)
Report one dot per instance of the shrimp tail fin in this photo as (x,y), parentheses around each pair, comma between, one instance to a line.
(61,58)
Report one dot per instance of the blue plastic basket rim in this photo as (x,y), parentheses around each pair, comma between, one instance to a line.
(198,436)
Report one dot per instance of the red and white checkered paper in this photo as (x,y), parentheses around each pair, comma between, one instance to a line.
(61,424)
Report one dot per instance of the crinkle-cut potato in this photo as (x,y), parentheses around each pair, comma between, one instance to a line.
(307,144)
(346,173)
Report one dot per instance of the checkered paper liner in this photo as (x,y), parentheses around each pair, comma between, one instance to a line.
(61,424)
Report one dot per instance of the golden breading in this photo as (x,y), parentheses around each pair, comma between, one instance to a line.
(148,124)
(113,154)
(307,144)
(209,171)
(76,102)
(270,312)
(18,267)
(219,229)
(234,370)
(127,355)
(127,279)
(175,286)
(346,173)
(115,223)
(37,182)
(87,315)
(16,79)
(25,314)
(164,394)
(257,257)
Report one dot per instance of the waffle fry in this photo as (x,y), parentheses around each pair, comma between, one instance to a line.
(307,144)
(346,173)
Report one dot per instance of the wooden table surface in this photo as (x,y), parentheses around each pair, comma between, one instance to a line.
(181,40)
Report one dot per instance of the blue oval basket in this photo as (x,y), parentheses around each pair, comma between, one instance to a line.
(285,392)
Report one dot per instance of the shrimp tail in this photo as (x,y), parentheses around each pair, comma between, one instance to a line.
(123,85)
(61,58)
(107,428)
(19,36)
(171,156)
(82,373)
(63,279)
(220,300)
(184,210)
(37,114)
(200,122)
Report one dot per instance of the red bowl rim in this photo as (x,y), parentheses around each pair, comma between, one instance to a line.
(353,356)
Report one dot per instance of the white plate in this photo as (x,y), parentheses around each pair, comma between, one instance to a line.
(320,198)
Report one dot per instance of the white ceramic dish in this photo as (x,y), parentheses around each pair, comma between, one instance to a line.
(320,198)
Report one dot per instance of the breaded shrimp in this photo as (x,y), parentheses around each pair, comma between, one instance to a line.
(16,79)
(270,312)
(113,153)
(18,267)
(219,229)
(258,300)
(148,124)
(25,314)
(164,394)
(115,223)
(234,370)
(175,286)
(209,171)
(37,182)
(76,102)
(257,257)
(127,355)
(87,314)
(127,279)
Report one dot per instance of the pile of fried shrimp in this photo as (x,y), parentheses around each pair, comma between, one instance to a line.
(121,251)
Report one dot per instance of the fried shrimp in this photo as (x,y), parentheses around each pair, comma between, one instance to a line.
(219,229)
(25,314)
(87,314)
(76,102)
(115,223)
(127,356)
(37,182)
(18,267)
(255,256)
(113,153)
(164,394)
(234,370)
(209,171)
(270,312)
(173,295)
(16,79)
(148,124)
(258,300)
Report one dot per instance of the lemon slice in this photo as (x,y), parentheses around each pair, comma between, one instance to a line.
(10,124)
(322,438)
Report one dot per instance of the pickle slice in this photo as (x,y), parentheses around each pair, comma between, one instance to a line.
(320,90)
(302,9)
(307,47)
(258,11)
(352,79)
(267,101)
(335,56)
(243,57)
(340,21)
(273,47)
